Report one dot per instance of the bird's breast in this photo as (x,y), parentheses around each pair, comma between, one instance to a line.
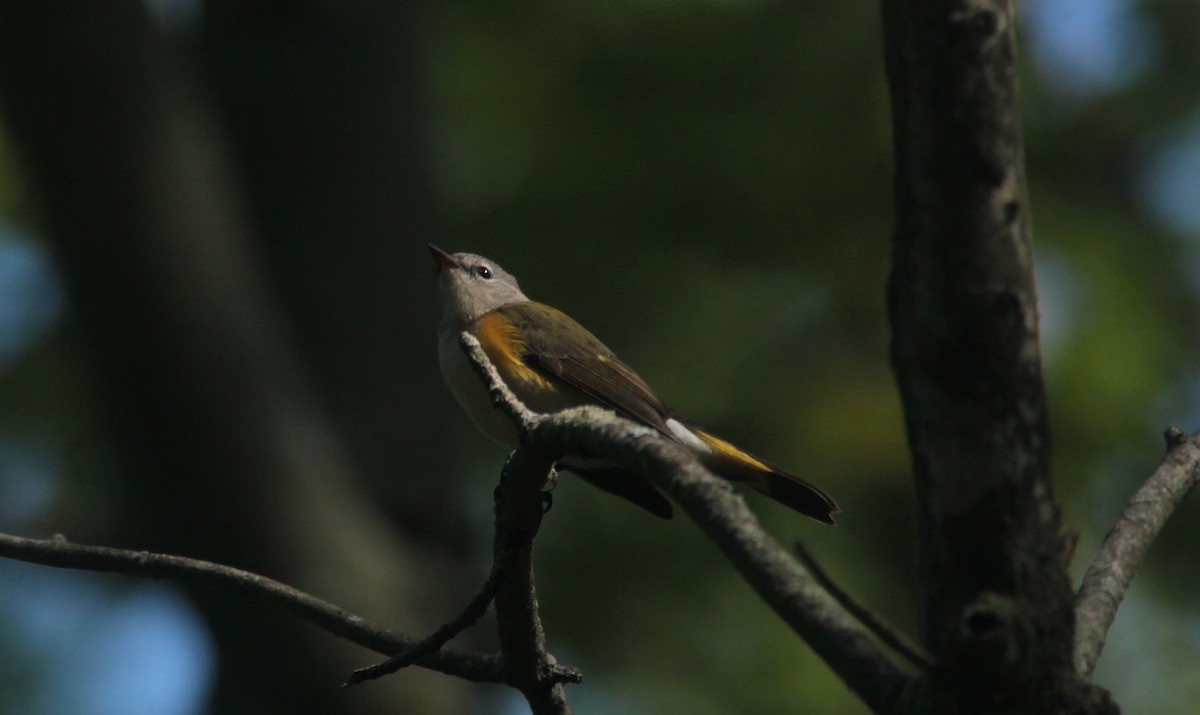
(470,392)
(538,392)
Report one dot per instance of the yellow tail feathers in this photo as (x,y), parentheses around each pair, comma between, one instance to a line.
(742,468)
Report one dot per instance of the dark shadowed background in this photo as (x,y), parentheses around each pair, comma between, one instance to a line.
(216,326)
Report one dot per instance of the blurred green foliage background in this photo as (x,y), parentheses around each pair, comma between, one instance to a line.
(706,185)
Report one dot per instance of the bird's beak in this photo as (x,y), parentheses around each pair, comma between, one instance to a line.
(441,258)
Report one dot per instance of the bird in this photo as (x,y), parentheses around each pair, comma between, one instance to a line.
(551,363)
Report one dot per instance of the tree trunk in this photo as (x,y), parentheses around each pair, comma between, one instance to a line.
(996,601)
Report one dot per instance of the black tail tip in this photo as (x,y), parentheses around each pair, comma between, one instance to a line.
(801,496)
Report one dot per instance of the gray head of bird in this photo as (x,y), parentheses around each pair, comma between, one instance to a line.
(471,285)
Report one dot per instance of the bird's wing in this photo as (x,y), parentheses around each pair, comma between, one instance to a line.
(558,347)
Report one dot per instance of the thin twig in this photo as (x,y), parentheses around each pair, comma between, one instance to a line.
(896,640)
(63,554)
(431,643)
(1113,569)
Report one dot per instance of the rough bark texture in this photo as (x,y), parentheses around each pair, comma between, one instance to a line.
(996,601)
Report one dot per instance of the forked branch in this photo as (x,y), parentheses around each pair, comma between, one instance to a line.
(596,433)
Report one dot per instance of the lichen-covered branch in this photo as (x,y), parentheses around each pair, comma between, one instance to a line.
(1114,567)
(596,433)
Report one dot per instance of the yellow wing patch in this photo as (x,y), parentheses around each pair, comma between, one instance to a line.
(503,344)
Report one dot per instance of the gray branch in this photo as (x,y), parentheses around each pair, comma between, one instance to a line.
(527,665)
(596,433)
(60,553)
(1113,569)
(519,508)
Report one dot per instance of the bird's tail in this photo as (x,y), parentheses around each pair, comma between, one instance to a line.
(744,469)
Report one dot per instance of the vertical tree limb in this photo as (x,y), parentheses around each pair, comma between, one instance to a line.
(996,603)
(528,667)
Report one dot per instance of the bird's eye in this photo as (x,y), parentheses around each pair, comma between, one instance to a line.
(483,272)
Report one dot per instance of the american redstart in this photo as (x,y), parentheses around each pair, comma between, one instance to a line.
(551,363)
